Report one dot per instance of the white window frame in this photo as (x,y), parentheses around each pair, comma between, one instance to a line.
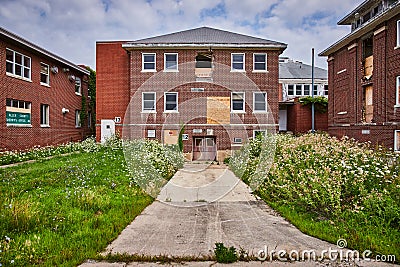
(165,102)
(154,110)
(294,90)
(398,34)
(78,122)
(78,86)
(396,141)
(254,62)
(47,82)
(165,62)
(265,102)
(44,114)
(243,69)
(301,89)
(397,92)
(243,110)
(22,66)
(153,62)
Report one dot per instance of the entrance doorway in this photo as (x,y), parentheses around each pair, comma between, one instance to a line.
(204,148)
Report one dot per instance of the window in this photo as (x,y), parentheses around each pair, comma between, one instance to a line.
(260,102)
(299,89)
(170,102)
(306,89)
(44,115)
(260,62)
(18,64)
(397,140)
(290,89)
(326,90)
(78,118)
(18,112)
(398,33)
(44,74)
(78,86)
(149,102)
(237,62)
(149,62)
(237,102)
(315,90)
(170,62)
(398,91)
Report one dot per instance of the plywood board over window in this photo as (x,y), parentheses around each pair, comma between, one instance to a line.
(218,110)
(170,137)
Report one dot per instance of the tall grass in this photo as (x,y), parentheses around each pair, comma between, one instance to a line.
(333,189)
(64,210)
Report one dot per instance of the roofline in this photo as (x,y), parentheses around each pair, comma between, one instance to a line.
(43,51)
(390,13)
(351,13)
(132,46)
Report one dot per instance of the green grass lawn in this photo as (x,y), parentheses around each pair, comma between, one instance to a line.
(62,211)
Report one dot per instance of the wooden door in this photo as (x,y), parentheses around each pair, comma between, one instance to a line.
(204,148)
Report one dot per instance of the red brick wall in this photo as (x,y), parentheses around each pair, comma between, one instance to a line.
(60,94)
(346,88)
(112,82)
(299,119)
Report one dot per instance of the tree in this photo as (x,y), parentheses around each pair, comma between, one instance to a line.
(92,97)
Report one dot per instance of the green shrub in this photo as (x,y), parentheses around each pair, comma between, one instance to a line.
(224,254)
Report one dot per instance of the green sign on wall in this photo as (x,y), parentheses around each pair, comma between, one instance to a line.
(18,118)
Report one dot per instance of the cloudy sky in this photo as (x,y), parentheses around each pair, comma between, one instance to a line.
(71,28)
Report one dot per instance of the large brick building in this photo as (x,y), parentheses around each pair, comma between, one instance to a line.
(40,95)
(222,86)
(364,75)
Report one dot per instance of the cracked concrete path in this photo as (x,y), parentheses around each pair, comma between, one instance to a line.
(182,222)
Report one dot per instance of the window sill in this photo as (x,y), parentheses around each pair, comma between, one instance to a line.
(44,125)
(18,77)
(260,112)
(238,112)
(397,47)
(45,84)
(240,71)
(79,94)
(78,127)
(148,71)
(397,106)
(147,112)
(169,71)
(171,111)
(19,125)
(260,71)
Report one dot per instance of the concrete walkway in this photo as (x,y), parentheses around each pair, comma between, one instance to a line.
(203,205)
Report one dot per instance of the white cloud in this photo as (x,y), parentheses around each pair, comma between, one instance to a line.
(71,28)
